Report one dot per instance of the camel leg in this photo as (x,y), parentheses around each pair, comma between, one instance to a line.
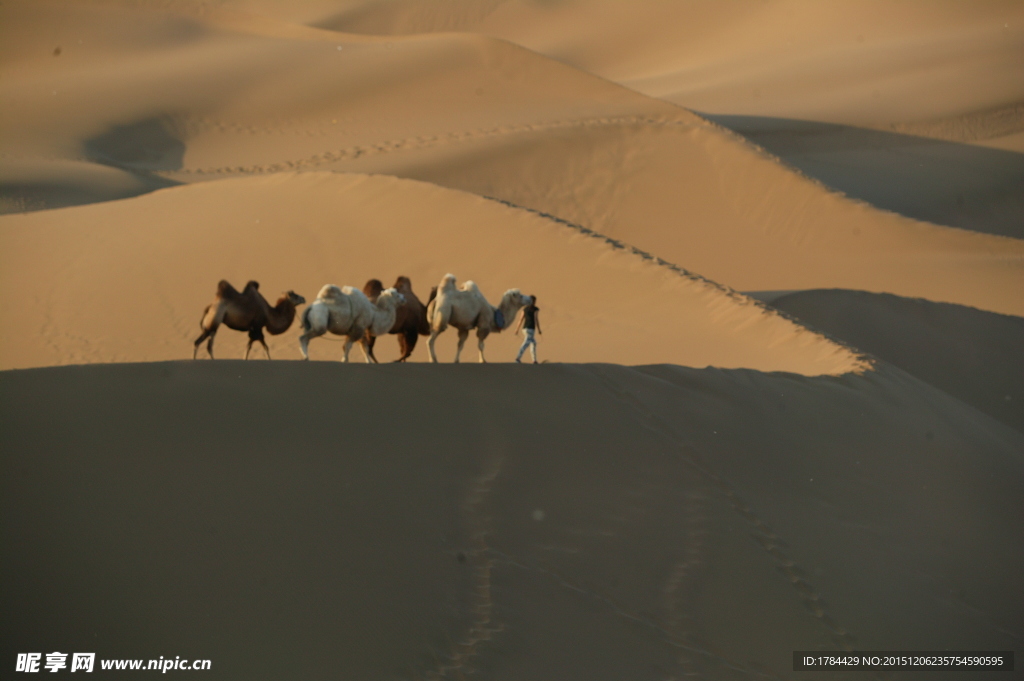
(348,346)
(199,341)
(407,343)
(368,343)
(481,336)
(366,355)
(255,334)
(265,348)
(305,338)
(430,347)
(463,335)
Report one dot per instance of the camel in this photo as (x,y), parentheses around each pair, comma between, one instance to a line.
(465,308)
(346,311)
(246,311)
(410,321)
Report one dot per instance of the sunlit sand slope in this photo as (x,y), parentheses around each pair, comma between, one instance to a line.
(712,203)
(128,280)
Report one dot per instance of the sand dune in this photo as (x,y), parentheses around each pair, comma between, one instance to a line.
(128,280)
(752,484)
(851,62)
(948,71)
(224,95)
(29,185)
(970,354)
(286,519)
(1001,127)
(945,182)
(682,191)
(209,91)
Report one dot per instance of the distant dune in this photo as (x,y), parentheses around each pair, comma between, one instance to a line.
(213,94)
(969,186)
(847,61)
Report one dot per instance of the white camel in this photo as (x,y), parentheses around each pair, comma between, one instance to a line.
(465,308)
(346,311)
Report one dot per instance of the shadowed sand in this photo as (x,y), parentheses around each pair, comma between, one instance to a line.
(962,185)
(303,520)
(971,354)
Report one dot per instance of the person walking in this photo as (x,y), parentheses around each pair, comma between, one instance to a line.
(529,322)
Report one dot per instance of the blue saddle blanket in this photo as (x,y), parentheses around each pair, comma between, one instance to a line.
(499,319)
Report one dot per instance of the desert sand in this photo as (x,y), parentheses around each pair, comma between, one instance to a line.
(778,249)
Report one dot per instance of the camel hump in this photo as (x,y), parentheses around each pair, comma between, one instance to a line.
(403,284)
(252,285)
(471,288)
(226,290)
(373,288)
(352,291)
(447,283)
(330,291)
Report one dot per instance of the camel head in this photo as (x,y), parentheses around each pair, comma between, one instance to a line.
(293,298)
(390,298)
(516,299)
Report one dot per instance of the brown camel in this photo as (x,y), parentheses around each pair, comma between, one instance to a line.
(246,311)
(411,321)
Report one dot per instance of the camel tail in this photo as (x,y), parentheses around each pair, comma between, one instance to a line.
(432,314)
(304,318)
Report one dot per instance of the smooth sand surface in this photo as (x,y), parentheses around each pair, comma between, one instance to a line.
(587,521)
(698,483)
(971,354)
(847,61)
(941,181)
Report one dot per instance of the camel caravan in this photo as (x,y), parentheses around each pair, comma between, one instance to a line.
(360,316)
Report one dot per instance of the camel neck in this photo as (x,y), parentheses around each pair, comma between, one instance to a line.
(383,318)
(280,317)
(508,312)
